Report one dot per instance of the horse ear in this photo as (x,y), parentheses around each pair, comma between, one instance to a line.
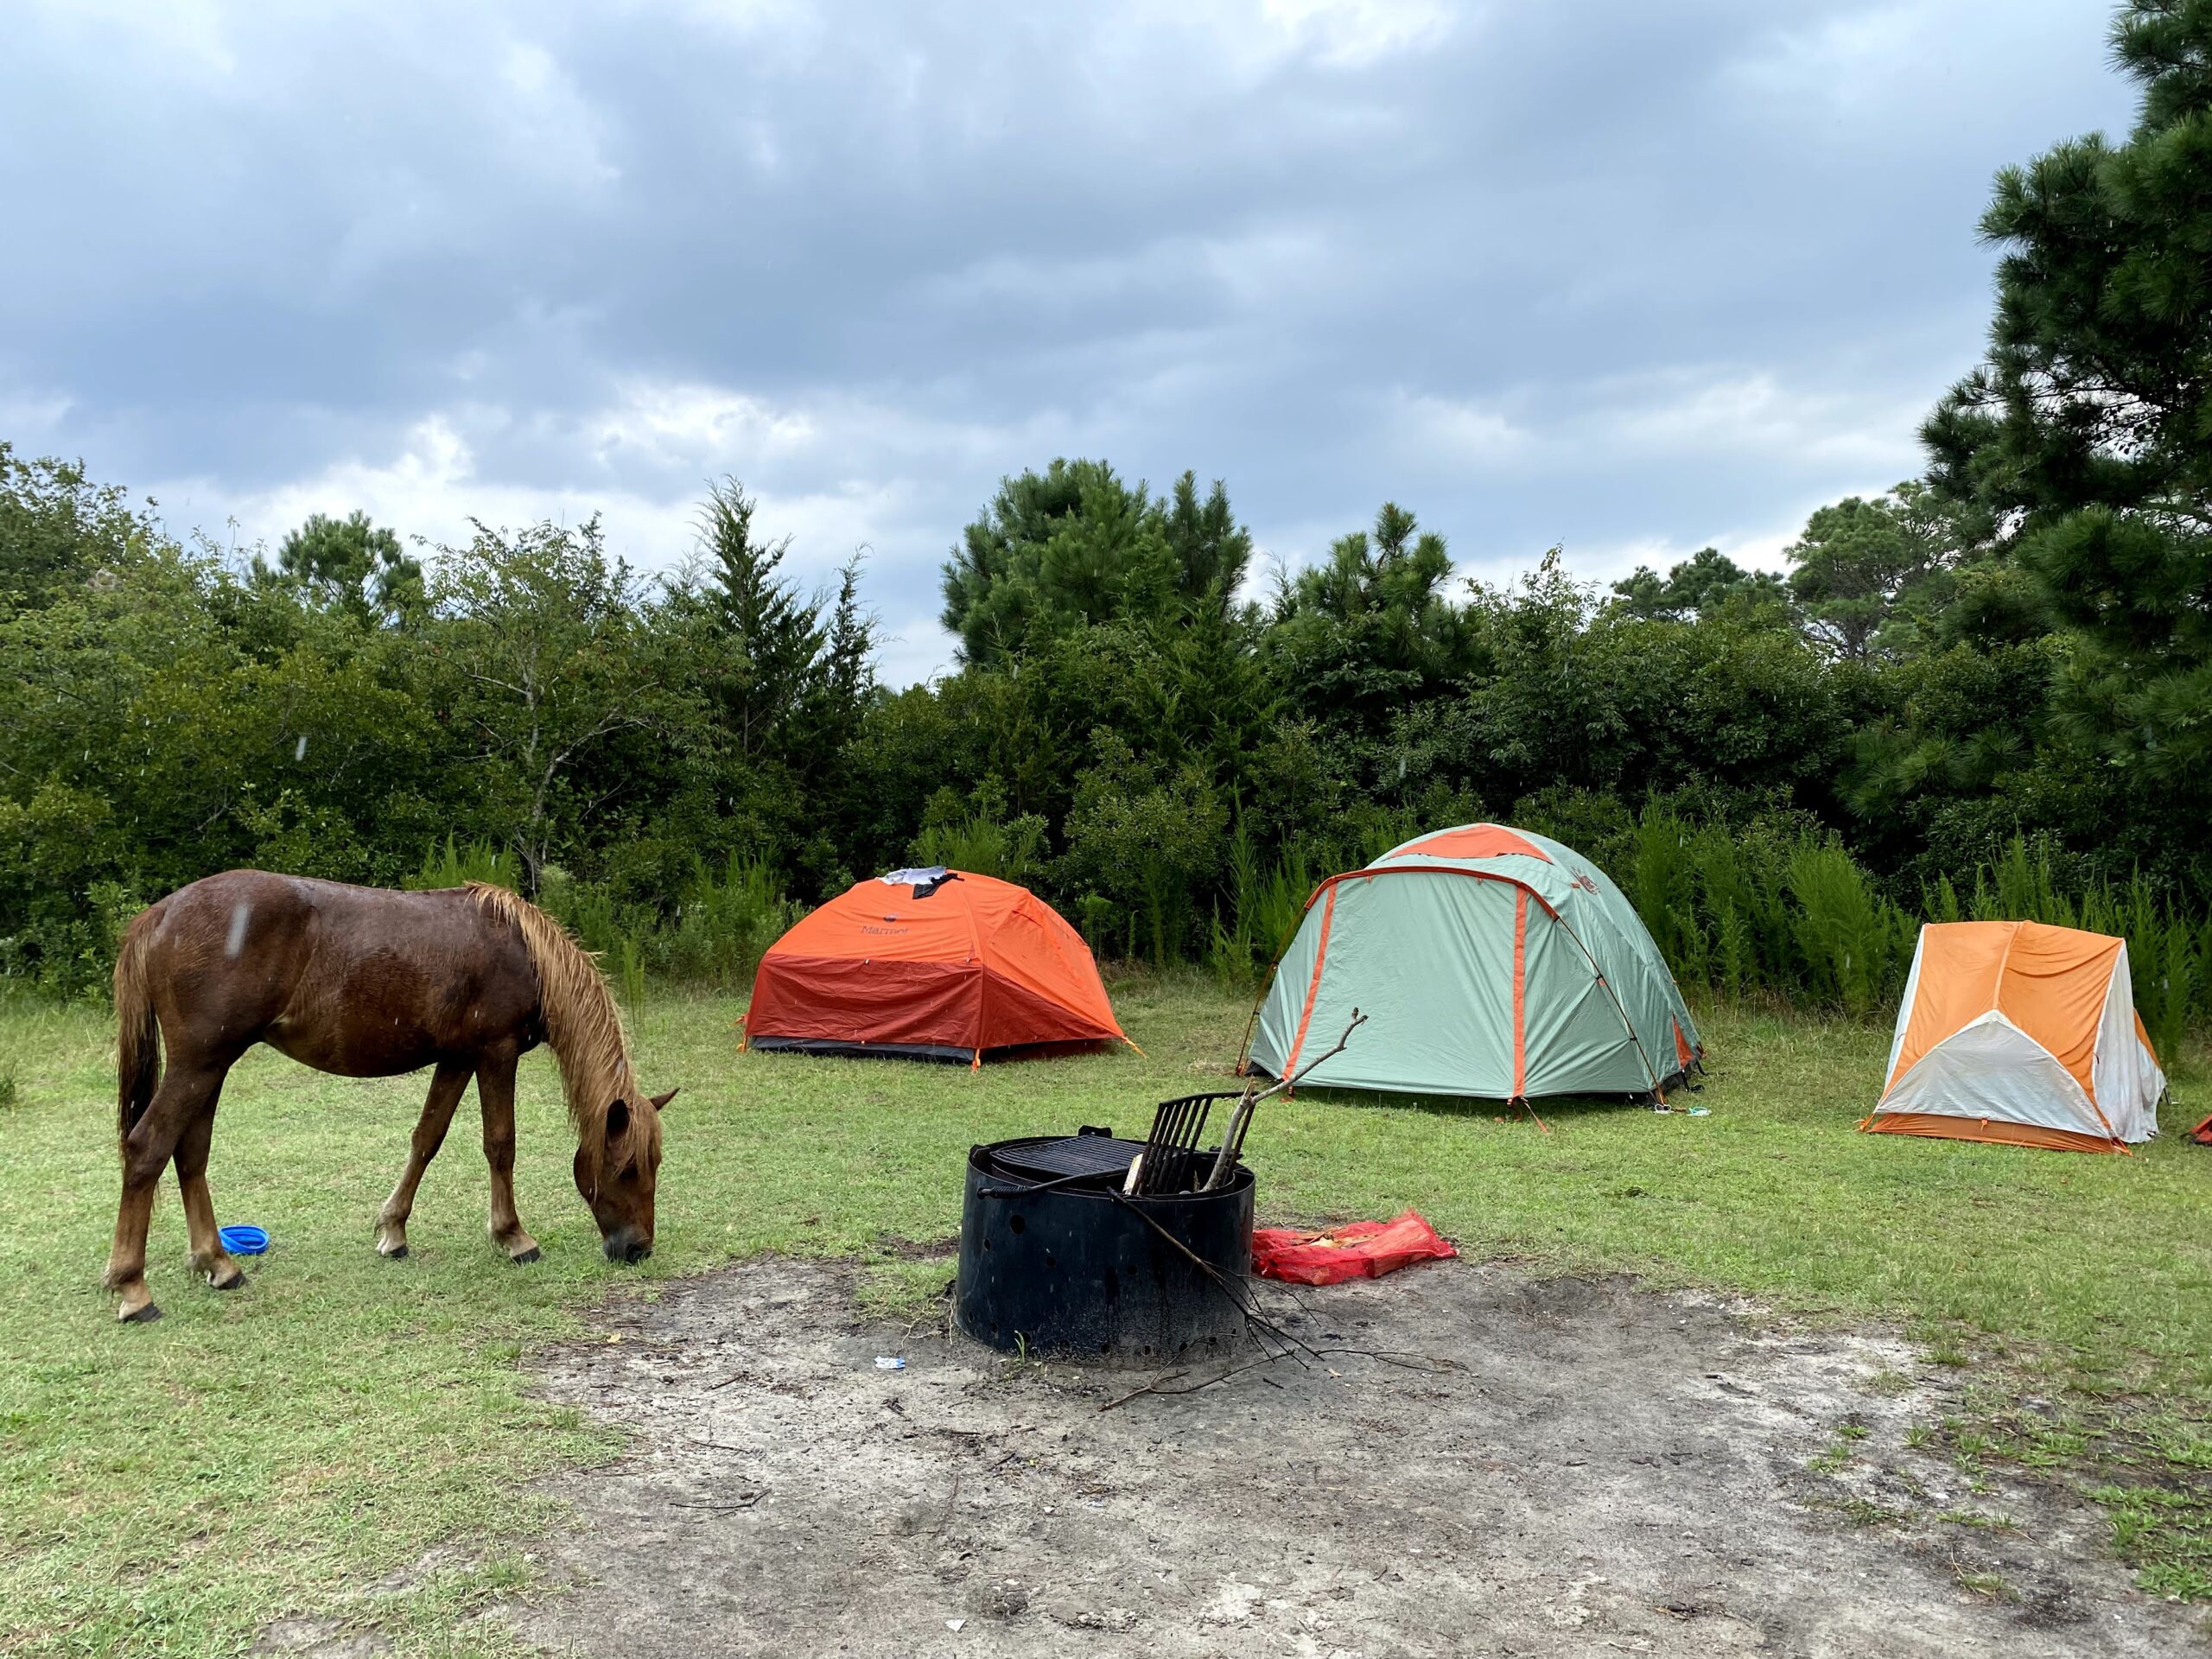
(660,1102)
(618,1120)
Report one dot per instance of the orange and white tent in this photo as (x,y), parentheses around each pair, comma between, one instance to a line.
(2020,1033)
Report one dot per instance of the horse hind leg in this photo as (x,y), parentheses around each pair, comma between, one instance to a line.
(186,1095)
(126,1259)
(209,1259)
(495,1093)
(450,1083)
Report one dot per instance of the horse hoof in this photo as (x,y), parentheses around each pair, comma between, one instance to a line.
(232,1280)
(144,1313)
(525,1258)
(398,1255)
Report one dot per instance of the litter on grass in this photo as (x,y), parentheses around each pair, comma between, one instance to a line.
(1362,1249)
(886,1363)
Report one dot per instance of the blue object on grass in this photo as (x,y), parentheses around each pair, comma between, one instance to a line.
(244,1241)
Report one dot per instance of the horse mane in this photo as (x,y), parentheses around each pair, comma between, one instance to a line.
(582,1027)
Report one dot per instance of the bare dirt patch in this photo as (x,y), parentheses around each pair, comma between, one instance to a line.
(1607,1469)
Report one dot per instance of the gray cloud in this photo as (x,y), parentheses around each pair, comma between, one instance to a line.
(1630,277)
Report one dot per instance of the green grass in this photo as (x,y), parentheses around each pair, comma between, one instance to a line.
(170,1489)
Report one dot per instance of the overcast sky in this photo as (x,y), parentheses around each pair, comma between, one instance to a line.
(1630,277)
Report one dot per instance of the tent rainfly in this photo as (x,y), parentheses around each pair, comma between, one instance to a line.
(2020,1033)
(929,964)
(1490,962)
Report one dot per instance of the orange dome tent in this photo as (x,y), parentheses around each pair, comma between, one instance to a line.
(931,964)
(2021,1032)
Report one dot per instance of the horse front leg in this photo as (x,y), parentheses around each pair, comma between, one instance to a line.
(209,1258)
(495,1093)
(447,1086)
(187,1090)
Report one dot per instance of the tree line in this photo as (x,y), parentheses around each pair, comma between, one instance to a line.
(2005,666)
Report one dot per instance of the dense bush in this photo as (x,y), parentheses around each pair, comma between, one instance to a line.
(1783,910)
(674,768)
(1767,905)
(713,931)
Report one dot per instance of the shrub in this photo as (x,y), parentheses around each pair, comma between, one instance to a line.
(982,842)
(1849,935)
(451,864)
(1259,911)
(1771,907)
(1149,844)
(630,972)
(727,922)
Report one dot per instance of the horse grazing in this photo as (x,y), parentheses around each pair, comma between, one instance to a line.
(367,983)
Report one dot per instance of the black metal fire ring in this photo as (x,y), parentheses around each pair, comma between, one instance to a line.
(1067,1266)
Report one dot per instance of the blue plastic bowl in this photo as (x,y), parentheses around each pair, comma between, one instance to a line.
(244,1241)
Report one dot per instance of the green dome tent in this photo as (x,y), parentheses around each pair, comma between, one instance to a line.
(1490,962)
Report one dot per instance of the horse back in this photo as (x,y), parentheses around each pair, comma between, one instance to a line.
(363,981)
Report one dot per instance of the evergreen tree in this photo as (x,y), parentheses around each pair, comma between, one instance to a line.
(1074,546)
(1860,564)
(772,638)
(347,564)
(1699,587)
(848,658)
(1211,550)
(1356,636)
(2088,431)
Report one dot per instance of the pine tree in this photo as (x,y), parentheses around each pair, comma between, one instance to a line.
(2087,432)
(1074,546)
(348,564)
(1700,585)
(1859,563)
(772,639)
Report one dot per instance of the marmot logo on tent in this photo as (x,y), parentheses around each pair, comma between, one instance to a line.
(869,927)
(1583,882)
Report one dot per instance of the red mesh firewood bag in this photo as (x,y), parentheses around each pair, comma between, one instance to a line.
(1361,1250)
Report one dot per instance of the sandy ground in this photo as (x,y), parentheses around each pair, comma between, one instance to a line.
(1602,1469)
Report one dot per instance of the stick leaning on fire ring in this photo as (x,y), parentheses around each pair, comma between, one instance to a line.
(1232,1140)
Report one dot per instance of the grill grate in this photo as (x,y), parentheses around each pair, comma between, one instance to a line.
(1172,1146)
(1078,1154)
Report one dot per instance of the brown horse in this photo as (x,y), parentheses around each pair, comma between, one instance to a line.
(367,983)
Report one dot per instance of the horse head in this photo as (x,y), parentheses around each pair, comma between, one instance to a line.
(618,1165)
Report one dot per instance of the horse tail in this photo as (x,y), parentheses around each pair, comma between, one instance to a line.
(137,1034)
